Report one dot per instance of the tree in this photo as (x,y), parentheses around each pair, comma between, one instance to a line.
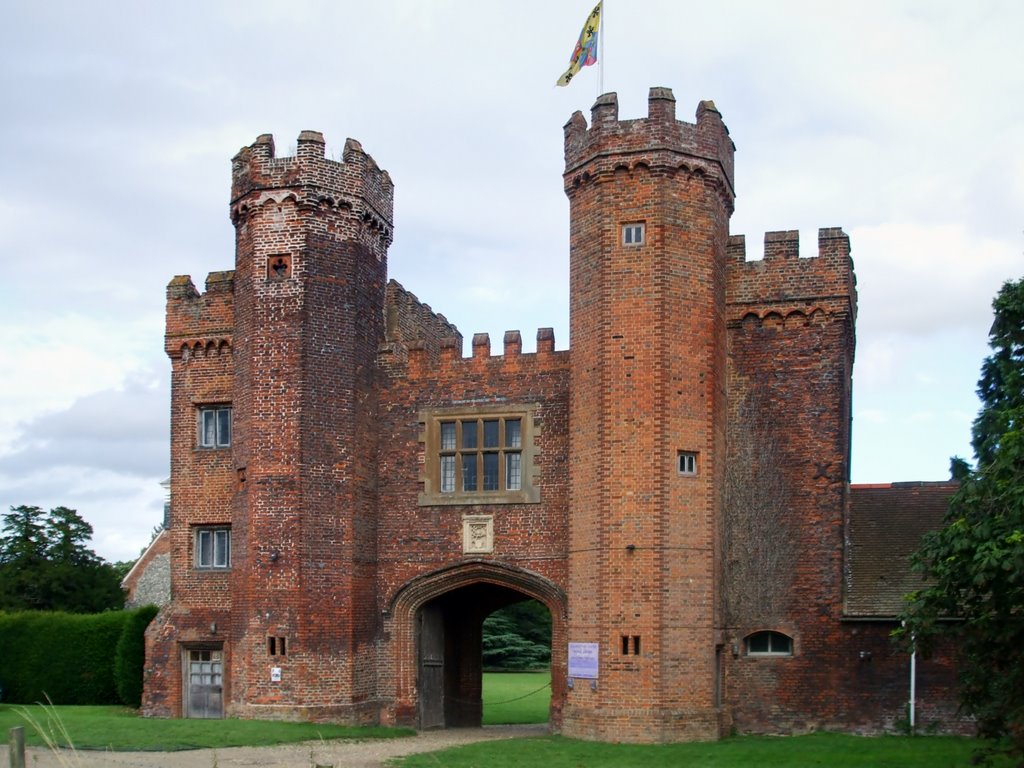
(46,564)
(974,565)
(518,636)
(22,558)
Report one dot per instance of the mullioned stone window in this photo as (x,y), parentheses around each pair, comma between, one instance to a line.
(479,455)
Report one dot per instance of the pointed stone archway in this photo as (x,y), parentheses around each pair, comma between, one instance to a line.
(435,626)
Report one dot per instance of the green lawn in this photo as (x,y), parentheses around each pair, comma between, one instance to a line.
(120,729)
(516,697)
(828,750)
(508,698)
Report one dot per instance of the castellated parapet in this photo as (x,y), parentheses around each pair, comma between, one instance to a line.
(199,323)
(783,282)
(659,142)
(356,183)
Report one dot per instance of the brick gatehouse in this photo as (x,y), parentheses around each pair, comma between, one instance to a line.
(351,497)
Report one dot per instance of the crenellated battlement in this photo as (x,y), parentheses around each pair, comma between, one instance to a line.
(420,357)
(356,183)
(200,324)
(658,142)
(783,282)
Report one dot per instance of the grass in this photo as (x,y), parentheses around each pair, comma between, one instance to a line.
(119,729)
(516,697)
(508,698)
(821,749)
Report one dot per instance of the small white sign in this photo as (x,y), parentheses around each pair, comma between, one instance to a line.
(583,660)
(275,674)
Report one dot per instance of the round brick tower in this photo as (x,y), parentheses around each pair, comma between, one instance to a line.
(650,204)
(311,257)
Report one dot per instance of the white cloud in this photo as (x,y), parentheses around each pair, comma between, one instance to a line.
(888,117)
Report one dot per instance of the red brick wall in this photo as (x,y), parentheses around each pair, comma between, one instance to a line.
(790,361)
(199,341)
(305,426)
(648,381)
(417,541)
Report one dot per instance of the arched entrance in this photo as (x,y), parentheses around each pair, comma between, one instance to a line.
(441,660)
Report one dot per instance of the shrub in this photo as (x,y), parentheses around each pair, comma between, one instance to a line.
(69,658)
(130,656)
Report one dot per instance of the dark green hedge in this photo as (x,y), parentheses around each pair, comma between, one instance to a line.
(130,657)
(68,658)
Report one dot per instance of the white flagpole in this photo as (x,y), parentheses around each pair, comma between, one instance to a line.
(602,49)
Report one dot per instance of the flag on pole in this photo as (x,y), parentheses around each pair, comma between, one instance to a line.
(585,52)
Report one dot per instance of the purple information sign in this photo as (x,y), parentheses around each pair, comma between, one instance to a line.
(583,660)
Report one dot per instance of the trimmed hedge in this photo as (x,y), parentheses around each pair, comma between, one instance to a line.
(130,657)
(68,658)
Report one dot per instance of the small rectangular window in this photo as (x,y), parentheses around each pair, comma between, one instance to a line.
(513,433)
(491,433)
(447,474)
(215,426)
(469,434)
(447,435)
(469,472)
(513,471)
(687,463)
(632,234)
(213,547)
(491,471)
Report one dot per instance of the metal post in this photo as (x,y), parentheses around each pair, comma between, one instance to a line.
(17,747)
(913,687)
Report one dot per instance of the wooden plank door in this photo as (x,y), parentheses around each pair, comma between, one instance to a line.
(431,676)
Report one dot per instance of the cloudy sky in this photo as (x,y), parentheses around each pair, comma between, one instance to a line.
(901,122)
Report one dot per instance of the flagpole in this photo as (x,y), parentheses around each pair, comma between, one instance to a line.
(603,44)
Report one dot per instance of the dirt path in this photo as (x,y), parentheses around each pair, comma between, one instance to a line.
(337,754)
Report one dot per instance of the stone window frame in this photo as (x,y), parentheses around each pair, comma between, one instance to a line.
(431,419)
(773,638)
(218,441)
(215,563)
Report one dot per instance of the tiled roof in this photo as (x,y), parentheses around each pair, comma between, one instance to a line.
(886,525)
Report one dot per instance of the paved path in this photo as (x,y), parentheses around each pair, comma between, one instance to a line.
(338,754)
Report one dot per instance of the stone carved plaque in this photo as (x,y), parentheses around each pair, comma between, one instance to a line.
(477,534)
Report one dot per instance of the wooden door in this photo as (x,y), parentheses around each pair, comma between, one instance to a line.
(204,684)
(431,676)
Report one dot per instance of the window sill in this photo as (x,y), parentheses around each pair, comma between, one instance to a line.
(481,498)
